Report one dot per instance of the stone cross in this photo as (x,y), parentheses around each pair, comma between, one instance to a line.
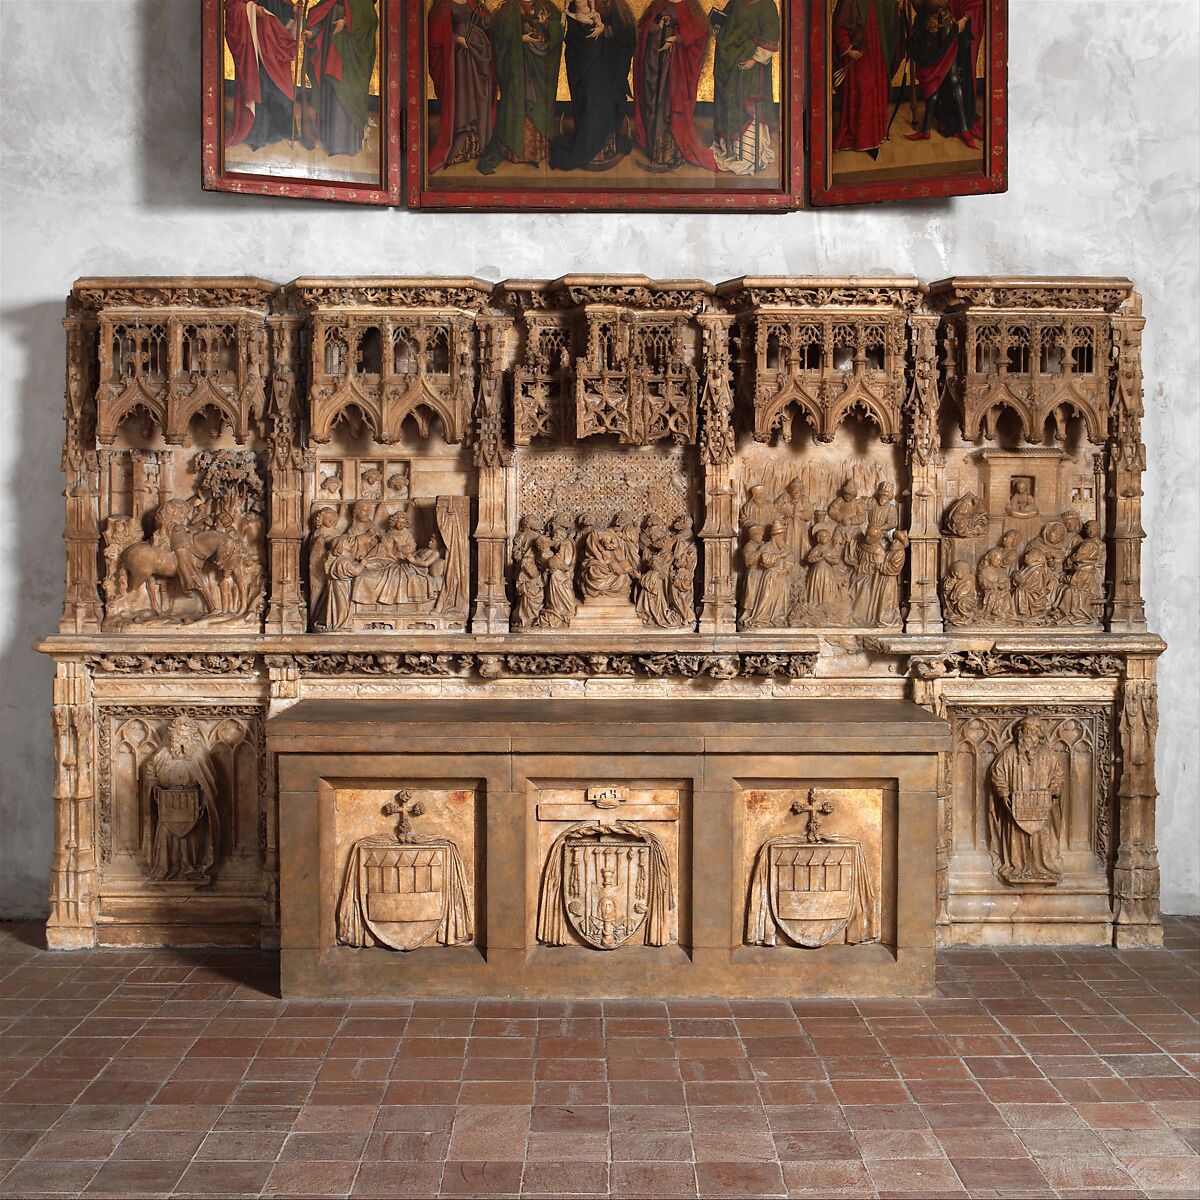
(814,808)
(402,808)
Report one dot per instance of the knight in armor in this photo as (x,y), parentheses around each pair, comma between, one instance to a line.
(945,38)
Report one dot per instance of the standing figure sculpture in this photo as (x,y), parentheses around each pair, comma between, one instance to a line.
(182,829)
(556,556)
(1083,595)
(1025,822)
(530,584)
(345,563)
(683,571)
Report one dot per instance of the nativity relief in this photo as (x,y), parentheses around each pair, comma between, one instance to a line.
(851,493)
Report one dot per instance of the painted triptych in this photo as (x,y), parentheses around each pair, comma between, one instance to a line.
(686,105)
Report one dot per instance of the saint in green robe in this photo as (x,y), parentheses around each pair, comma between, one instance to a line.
(743,96)
(527,72)
(340,63)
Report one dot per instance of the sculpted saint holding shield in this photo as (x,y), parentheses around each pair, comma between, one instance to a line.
(1026,820)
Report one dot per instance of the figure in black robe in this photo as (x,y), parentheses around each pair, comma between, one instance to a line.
(599,53)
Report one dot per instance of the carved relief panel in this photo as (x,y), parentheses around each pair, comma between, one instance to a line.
(1025,502)
(817,864)
(605,540)
(183,809)
(1032,787)
(405,866)
(608,862)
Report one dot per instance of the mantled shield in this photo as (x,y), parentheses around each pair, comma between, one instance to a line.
(605,886)
(405,892)
(812,889)
(1030,808)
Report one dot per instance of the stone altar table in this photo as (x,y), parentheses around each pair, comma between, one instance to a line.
(607,847)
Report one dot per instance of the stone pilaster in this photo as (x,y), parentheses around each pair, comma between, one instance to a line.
(718,608)
(925,465)
(286,612)
(1127,461)
(72,922)
(491,613)
(81,606)
(1136,917)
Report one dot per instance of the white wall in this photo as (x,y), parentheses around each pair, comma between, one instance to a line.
(101,143)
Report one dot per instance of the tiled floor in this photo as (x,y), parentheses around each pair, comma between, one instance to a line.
(1032,1073)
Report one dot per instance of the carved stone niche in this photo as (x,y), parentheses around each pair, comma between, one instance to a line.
(1031,823)
(183,811)
(608,356)
(175,481)
(392,351)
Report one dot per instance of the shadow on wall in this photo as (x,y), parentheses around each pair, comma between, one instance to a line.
(35,429)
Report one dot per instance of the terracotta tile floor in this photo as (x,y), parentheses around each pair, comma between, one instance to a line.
(1032,1073)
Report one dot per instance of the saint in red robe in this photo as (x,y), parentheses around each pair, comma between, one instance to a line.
(464,78)
(864,41)
(944,57)
(672,41)
(258,42)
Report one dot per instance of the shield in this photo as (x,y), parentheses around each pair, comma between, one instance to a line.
(812,889)
(178,808)
(404,888)
(1030,808)
(605,886)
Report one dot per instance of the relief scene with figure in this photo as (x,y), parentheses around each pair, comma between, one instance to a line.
(596,96)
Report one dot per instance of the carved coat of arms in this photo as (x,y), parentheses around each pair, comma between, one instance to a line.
(404,891)
(610,883)
(814,889)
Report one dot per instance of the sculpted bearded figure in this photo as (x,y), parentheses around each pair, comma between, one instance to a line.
(1025,822)
(183,829)
(556,555)
(608,567)
(345,562)
(530,585)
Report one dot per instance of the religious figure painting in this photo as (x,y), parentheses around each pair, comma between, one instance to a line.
(301,98)
(594,104)
(907,98)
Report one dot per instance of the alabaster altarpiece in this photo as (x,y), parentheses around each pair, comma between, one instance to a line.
(287,503)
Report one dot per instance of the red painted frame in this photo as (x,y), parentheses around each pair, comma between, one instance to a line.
(782,199)
(993,179)
(215,179)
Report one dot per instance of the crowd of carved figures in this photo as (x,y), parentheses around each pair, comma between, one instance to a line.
(786,460)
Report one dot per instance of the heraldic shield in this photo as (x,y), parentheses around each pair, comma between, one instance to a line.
(1031,808)
(814,892)
(404,895)
(611,883)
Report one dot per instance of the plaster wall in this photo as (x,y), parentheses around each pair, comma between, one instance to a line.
(100,175)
